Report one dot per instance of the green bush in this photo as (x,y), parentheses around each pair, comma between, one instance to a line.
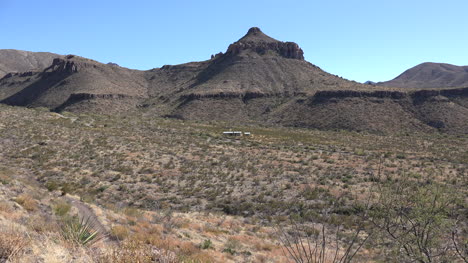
(232,246)
(51,185)
(416,219)
(61,208)
(207,244)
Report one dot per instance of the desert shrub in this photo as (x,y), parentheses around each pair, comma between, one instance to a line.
(415,218)
(51,185)
(61,208)
(232,246)
(207,244)
(132,211)
(67,188)
(119,232)
(400,156)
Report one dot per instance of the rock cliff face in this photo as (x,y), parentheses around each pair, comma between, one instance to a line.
(64,65)
(284,49)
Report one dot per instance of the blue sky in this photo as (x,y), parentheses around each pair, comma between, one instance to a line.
(356,39)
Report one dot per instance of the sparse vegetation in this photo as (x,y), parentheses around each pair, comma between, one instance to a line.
(81,231)
(12,245)
(167,186)
(320,247)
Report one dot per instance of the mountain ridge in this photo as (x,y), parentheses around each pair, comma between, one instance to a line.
(257,80)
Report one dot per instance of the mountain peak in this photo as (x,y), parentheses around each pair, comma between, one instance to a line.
(254,30)
(255,40)
(256,35)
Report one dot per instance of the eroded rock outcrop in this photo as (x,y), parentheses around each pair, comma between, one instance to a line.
(64,65)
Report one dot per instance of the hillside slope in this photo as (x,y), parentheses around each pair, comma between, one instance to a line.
(431,75)
(12,60)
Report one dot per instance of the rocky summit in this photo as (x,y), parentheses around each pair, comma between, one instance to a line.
(258,79)
(255,40)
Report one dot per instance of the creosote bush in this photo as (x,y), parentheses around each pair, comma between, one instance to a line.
(416,219)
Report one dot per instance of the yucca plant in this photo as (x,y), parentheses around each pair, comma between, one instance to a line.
(320,247)
(81,231)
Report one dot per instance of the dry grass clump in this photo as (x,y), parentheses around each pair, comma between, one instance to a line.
(136,251)
(13,244)
(27,202)
(5,207)
(42,224)
(120,232)
(151,241)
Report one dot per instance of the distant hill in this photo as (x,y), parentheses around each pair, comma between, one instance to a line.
(12,60)
(257,80)
(70,79)
(431,75)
